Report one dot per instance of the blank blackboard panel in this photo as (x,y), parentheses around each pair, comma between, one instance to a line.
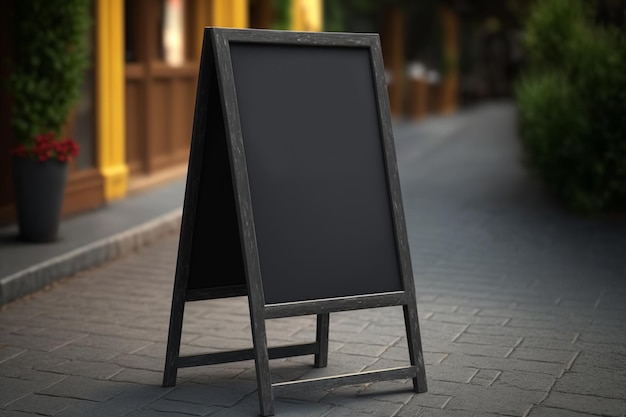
(316,171)
(216,259)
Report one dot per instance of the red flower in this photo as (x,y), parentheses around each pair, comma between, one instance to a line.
(46,146)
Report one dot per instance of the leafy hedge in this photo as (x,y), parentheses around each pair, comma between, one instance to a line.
(47,69)
(572,106)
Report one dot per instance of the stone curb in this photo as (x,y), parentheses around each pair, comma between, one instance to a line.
(45,273)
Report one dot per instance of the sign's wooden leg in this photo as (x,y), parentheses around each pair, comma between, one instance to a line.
(415,346)
(323,325)
(262,365)
(173,339)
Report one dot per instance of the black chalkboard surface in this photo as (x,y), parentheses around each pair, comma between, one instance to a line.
(293,196)
(316,169)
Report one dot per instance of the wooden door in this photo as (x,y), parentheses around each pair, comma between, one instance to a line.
(160,95)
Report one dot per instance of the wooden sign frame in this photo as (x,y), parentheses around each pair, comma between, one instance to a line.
(217,120)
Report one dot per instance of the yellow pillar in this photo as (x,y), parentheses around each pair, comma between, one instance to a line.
(230,13)
(240,13)
(110,97)
(307,15)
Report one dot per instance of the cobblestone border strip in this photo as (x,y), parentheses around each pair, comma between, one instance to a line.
(43,274)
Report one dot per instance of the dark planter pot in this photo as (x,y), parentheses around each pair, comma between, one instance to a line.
(39,187)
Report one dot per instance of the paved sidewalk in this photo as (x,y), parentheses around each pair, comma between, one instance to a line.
(521,309)
(88,239)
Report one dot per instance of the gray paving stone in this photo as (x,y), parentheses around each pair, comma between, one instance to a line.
(595,382)
(85,353)
(118,344)
(543,322)
(307,396)
(216,373)
(385,364)
(489,340)
(475,398)
(291,369)
(41,378)
(430,412)
(531,381)
(395,391)
(155,413)
(132,398)
(363,349)
(553,334)
(8,413)
(475,349)
(84,389)
(93,370)
(355,397)
(14,389)
(43,404)
(293,408)
(139,362)
(10,352)
(443,331)
(31,342)
(586,404)
(349,326)
(461,318)
(25,359)
(541,411)
(373,407)
(51,332)
(220,343)
(366,338)
(182,407)
(206,395)
(543,355)
(485,377)
(455,359)
(139,376)
(442,372)
(427,400)
(400,352)
(608,337)
(431,307)
(346,412)
(547,343)
(604,357)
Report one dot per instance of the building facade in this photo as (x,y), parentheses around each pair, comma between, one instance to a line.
(134,118)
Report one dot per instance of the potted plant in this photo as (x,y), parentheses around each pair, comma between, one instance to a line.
(46,75)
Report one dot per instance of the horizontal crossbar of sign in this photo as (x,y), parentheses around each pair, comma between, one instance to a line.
(329,305)
(219,292)
(345,379)
(246,354)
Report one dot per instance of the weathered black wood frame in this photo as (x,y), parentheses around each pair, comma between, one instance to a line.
(216,62)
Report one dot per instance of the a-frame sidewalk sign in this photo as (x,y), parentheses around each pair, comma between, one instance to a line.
(293,197)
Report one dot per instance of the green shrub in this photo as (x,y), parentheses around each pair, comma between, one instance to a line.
(572,107)
(48,65)
(550,27)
